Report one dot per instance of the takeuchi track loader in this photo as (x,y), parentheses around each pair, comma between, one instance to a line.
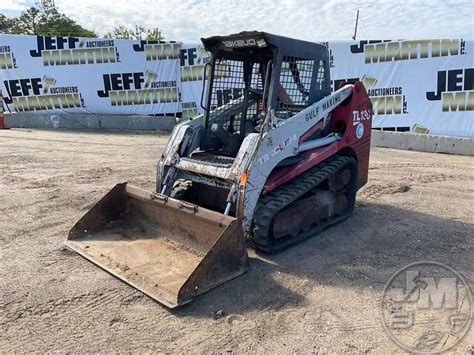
(275,158)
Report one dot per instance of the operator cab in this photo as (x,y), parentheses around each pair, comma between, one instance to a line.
(249,73)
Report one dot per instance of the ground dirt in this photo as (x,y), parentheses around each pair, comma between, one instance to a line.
(320,296)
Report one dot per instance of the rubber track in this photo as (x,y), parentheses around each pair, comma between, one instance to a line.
(271,204)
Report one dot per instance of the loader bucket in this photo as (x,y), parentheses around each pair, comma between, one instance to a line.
(168,249)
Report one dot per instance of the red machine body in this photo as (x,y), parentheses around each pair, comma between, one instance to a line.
(346,119)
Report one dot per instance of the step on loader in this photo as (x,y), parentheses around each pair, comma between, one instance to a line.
(275,158)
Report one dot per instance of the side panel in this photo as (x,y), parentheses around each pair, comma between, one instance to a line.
(352,115)
(357,116)
(277,144)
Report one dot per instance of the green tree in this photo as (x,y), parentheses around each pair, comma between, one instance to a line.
(45,20)
(138,32)
(6,24)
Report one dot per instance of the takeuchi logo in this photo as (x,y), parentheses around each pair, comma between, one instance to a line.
(379,51)
(455,89)
(57,50)
(7,59)
(159,50)
(34,94)
(138,88)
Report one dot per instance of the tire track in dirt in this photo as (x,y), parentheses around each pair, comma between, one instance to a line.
(405,183)
(81,142)
(60,314)
(374,191)
(88,301)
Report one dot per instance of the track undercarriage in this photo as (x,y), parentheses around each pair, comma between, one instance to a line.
(301,208)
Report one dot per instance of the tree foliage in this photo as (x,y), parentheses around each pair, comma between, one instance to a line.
(43,20)
(6,24)
(138,32)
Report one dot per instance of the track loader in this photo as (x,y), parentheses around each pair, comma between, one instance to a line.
(276,158)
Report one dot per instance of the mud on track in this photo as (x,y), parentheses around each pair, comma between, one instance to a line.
(322,295)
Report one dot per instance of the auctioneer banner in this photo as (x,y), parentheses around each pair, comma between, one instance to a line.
(422,86)
(417,85)
(80,75)
(193,60)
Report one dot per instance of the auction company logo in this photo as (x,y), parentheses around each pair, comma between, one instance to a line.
(7,59)
(33,94)
(455,88)
(74,50)
(192,61)
(159,50)
(138,89)
(385,100)
(379,51)
(426,307)
(189,110)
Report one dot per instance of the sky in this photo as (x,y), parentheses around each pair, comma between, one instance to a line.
(189,20)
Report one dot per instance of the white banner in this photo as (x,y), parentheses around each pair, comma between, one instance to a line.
(193,59)
(421,86)
(79,75)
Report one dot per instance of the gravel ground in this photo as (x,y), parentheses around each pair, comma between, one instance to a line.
(320,296)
